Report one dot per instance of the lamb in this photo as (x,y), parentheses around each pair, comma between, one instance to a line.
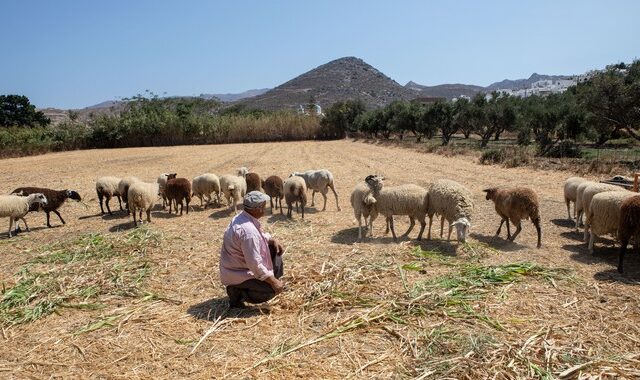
(107,188)
(515,204)
(570,193)
(588,195)
(16,207)
(363,204)
(628,225)
(162,182)
(274,188)
(142,196)
(319,181)
(123,189)
(177,190)
(204,185)
(55,199)
(295,191)
(234,188)
(411,200)
(604,214)
(452,202)
(253,182)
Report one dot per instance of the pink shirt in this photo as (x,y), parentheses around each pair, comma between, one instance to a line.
(245,251)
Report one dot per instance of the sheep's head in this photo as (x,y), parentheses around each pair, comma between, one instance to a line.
(463,225)
(171,176)
(375,182)
(491,193)
(37,198)
(73,195)
(243,171)
(296,174)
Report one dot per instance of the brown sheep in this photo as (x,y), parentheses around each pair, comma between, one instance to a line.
(253,182)
(55,199)
(295,191)
(629,225)
(273,187)
(515,204)
(177,190)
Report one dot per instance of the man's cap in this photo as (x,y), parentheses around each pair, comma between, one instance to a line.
(255,199)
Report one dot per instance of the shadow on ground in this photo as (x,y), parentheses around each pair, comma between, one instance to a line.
(218,308)
(564,223)
(500,243)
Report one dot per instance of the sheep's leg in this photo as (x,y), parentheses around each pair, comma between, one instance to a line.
(336,194)
(359,217)
(119,202)
(449,237)
(289,209)
(181,207)
(441,226)
(412,222)
(430,223)
(508,230)
(59,216)
(302,208)
(500,227)
(313,198)
(585,235)
(324,195)
(10,225)
(100,197)
(393,231)
(423,224)
(579,219)
(135,222)
(568,202)
(280,200)
(26,226)
(170,202)
(187,202)
(271,203)
(592,238)
(106,202)
(518,229)
(149,215)
(48,219)
(623,250)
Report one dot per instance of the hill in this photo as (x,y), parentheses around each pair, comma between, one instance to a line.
(448,91)
(235,97)
(522,83)
(339,80)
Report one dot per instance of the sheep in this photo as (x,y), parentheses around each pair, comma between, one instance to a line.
(604,214)
(295,191)
(106,188)
(628,225)
(162,182)
(274,188)
(253,182)
(55,199)
(452,202)
(17,206)
(588,195)
(570,188)
(204,185)
(234,188)
(363,204)
(142,196)
(319,181)
(578,207)
(411,200)
(177,190)
(123,189)
(515,204)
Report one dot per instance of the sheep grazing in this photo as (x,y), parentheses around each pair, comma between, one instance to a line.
(604,214)
(410,200)
(107,188)
(515,204)
(142,196)
(295,191)
(273,186)
(628,225)
(17,206)
(452,202)
(588,194)
(178,190)
(363,204)
(55,199)
(253,182)
(234,188)
(203,186)
(319,181)
(162,182)
(123,189)
(570,193)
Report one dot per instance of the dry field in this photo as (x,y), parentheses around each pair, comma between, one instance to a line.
(98,299)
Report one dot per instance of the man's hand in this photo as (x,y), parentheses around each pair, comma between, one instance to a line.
(276,244)
(276,284)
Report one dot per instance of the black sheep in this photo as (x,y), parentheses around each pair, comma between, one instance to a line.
(55,199)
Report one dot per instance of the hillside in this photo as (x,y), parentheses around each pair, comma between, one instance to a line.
(522,83)
(235,97)
(342,79)
(448,91)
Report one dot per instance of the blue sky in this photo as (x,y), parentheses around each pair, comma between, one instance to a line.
(72,54)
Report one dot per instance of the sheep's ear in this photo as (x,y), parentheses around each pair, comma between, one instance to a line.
(486,190)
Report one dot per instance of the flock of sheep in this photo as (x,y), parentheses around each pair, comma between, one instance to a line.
(606,209)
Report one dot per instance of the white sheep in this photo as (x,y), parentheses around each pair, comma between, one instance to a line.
(17,206)
(588,194)
(234,188)
(319,181)
(295,191)
(162,183)
(604,214)
(204,185)
(570,192)
(123,188)
(142,196)
(363,204)
(410,200)
(579,207)
(452,202)
(107,188)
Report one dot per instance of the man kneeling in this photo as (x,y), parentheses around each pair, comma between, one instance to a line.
(250,260)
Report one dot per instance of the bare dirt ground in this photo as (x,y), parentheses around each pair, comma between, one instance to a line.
(373,309)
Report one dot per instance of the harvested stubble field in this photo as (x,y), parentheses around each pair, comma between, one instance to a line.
(98,299)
